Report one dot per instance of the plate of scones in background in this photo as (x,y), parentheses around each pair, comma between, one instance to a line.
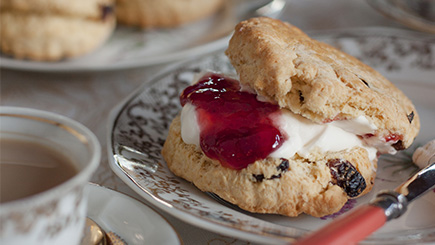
(114,34)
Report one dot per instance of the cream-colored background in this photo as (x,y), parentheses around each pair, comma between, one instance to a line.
(89,97)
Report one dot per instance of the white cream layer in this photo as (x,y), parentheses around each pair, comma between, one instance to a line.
(303,136)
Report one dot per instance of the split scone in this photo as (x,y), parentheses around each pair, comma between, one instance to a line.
(164,13)
(300,132)
(49,30)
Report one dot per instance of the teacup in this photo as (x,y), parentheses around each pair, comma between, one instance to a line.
(55,212)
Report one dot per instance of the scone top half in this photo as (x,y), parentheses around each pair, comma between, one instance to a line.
(319,82)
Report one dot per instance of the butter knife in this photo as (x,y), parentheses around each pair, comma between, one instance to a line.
(366,219)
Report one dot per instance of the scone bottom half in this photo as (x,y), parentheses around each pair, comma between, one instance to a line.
(316,178)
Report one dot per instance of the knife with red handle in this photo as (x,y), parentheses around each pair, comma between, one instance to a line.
(366,219)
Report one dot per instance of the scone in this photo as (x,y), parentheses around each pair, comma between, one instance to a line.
(299,133)
(49,30)
(164,13)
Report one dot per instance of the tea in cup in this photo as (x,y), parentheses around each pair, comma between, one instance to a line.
(46,161)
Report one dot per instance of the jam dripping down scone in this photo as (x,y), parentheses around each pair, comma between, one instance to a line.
(299,133)
(50,30)
(164,13)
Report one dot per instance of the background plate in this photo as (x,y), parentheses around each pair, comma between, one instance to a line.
(131,47)
(141,121)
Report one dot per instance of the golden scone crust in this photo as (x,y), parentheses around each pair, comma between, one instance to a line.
(275,186)
(164,13)
(48,30)
(318,81)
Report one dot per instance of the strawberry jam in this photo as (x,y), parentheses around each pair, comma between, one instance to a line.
(235,128)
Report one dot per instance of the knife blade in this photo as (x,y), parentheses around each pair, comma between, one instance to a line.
(418,184)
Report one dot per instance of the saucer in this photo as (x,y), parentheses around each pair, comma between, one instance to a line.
(130,219)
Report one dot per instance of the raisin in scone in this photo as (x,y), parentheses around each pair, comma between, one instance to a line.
(164,13)
(269,151)
(49,30)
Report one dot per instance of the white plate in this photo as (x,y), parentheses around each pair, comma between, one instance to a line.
(131,47)
(130,219)
(141,122)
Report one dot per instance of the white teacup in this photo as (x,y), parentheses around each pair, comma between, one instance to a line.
(56,215)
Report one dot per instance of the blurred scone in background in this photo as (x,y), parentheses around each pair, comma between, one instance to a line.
(50,30)
(164,13)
